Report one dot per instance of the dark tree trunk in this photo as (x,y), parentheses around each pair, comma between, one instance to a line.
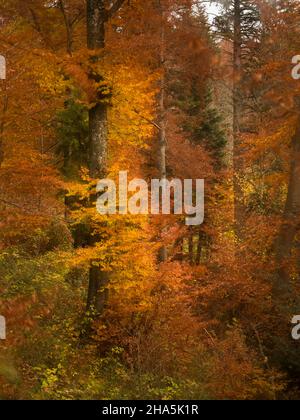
(96,18)
(291,222)
(97,293)
(96,15)
(199,248)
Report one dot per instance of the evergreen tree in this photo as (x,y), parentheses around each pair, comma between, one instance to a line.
(72,135)
(210,131)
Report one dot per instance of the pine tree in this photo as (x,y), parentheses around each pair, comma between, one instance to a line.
(72,136)
(210,131)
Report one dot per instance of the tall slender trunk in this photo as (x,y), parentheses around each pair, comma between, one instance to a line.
(237,164)
(162,110)
(163,255)
(191,247)
(98,130)
(2,122)
(291,222)
(199,248)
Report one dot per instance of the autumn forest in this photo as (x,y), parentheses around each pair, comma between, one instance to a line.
(99,305)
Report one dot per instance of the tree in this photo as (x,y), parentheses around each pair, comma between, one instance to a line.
(97,17)
(239,24)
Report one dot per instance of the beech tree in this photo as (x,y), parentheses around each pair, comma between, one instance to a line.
(97,17)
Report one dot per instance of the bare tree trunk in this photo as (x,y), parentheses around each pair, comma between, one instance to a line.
(163,255)
(237,164)
(2,122)
(291,222)
(98,131)
(162,133)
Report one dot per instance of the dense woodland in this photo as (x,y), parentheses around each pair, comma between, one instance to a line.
(145,307)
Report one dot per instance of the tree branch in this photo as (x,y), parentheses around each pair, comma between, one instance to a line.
(114,8)
(68,25)
(11,204)
(147,119)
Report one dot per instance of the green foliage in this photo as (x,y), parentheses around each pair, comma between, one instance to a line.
(250,16)
(72,134)
(39,263)
(211,133)
(213,373)
(206,128)
(22,274)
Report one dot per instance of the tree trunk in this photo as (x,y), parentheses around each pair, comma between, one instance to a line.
(191,247)
(2,122)
(162,133)
(98,131)
(97,16)
(237,164)
(199,248)
(97,293)
(291,221)
(163,255)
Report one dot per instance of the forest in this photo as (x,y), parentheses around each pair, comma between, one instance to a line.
(143,305)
